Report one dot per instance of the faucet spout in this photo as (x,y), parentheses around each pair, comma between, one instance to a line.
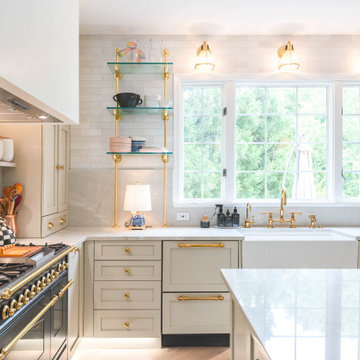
(282,203)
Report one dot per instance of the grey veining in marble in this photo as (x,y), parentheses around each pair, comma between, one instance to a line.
(301,314)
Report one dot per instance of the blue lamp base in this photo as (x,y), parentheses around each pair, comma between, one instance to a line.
(137,222)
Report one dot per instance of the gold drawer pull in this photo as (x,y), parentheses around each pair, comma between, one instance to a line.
(127,324)
(127,271)
(219,245)
(186,298)
(50,225)
(127,251)
(127,296)
(62,221)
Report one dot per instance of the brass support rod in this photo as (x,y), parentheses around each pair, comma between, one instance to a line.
(10,290)
(186,298)
(117,159)
(6,349)
(219,245)
(164,195)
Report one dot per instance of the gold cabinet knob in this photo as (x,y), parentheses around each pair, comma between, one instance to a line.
(12,309)
(5,312)
(50,225)
(127,271)
(127,324)
(127,296)
(20,302)
(48,278)
(26,296)
(38,286)
(32,291)
(127,251)
(60,167)
(43,282)
(62,221)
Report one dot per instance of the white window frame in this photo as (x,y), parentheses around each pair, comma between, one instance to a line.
(334,83)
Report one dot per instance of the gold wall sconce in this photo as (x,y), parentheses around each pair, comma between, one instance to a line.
(288,59)
(204,61)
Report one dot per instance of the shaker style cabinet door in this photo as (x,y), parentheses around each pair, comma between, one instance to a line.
(49,172)
(63,167)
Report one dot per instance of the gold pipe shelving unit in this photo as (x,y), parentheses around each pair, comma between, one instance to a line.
(120,68)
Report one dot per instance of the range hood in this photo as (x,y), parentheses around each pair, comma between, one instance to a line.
(19,107)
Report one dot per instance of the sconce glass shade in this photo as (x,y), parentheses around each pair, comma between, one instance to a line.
(204,61)
(137,198)
(288,59)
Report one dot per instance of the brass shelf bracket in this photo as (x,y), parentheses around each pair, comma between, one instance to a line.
(165,115)
(117,158)
(165,158)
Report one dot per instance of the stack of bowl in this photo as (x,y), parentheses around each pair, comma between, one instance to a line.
(120,144)
(137,143)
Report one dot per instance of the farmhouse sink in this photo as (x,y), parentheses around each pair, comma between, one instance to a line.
(297,234)
(298,248)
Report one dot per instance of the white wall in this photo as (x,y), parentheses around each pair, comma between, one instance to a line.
(39,51)
(91,178)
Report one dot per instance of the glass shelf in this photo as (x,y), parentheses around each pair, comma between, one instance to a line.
(140,68)
(141,110)
(140,153)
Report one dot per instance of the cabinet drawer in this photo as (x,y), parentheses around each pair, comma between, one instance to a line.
(53,223)
(127,323)
(134,250)
(127,295)
(127,270)
(196,316)
(197,268)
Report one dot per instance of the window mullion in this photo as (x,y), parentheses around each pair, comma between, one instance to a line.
(229,141)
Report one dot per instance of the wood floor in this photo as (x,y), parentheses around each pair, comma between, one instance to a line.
(193,353)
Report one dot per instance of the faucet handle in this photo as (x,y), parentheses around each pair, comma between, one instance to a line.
(312,221)
(266,212)
(270,220)
(296,213)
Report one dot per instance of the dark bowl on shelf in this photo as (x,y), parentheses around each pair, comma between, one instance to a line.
(127,99)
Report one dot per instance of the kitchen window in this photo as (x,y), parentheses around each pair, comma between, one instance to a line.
(242,141)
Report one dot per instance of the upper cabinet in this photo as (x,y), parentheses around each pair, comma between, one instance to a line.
(39,56)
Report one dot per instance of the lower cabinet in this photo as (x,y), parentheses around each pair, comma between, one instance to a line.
(127,323)
(196,313)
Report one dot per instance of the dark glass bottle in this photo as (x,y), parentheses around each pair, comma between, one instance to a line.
(220,216)
(235,217)
(228,219)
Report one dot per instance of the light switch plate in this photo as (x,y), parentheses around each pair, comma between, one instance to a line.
(182,216)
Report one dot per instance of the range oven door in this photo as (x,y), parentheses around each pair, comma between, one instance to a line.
(35,344)
(59,319)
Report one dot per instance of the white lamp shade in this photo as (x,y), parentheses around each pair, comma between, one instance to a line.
(289,61)
(137,198)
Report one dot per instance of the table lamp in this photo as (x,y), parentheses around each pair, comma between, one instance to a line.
(137,199)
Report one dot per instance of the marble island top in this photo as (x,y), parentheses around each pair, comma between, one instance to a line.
(301,314)
(75,235)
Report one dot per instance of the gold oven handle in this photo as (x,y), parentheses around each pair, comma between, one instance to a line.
(219,245)
(186,298)
(6,349)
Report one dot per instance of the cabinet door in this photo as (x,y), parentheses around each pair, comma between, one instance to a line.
(195,265)
(74,299)
(49,172)
(63,166)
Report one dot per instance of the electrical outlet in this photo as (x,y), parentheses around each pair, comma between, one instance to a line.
(182,216)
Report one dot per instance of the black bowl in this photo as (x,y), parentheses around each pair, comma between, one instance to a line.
(127,99)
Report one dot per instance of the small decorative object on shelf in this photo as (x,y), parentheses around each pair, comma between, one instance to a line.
(127,100)
(137,198)
(132,53)
(205,223)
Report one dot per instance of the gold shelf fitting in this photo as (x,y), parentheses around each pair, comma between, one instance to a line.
(117,114)
(165,115)
(190,298)
(6,349)
(219,245)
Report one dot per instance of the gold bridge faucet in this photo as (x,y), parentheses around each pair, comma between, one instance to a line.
(282,220)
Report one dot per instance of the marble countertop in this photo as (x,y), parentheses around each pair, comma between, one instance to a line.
(301,314)
(75,235)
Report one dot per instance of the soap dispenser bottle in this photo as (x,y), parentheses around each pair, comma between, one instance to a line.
(220,216)
(235,218)
(228,219)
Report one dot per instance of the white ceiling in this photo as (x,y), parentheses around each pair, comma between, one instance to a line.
(230,17)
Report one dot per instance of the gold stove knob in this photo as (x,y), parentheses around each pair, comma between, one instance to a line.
(33,291)
(48,278)
(26,296)
(43,282)
(12,309)
(38,286)
(5,312)
(53,275)
(20,302)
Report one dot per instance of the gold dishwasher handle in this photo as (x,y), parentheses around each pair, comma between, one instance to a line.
(219,245)
(6,349)
(186,298)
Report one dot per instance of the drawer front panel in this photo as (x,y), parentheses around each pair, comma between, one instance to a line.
(127,323)
(196,316)
(127,270)
(124,250)
(52,223)
(197,268)
(126,295)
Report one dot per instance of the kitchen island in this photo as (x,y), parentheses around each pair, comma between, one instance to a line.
(294,314)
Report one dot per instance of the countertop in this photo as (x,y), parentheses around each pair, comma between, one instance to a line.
(75,235)
(301,314)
